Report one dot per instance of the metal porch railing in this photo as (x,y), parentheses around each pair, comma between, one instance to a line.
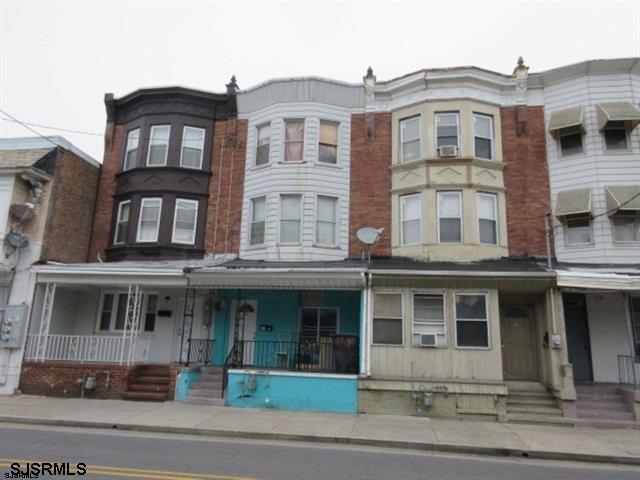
(200,350)
(629,370)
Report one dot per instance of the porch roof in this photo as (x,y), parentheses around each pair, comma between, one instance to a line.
(599,277)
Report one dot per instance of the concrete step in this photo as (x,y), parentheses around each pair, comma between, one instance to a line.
(525,386)
(600,388)
(219,402)
(153,370)
(205,392)
(534,410)
(599,405)
(605,414)
(207,384)
(145,396)
(529,394)
(522,400)
(211,369)
(148,387)
(210,377)
(538,419)
(151,379)
(599,397)
(596,423)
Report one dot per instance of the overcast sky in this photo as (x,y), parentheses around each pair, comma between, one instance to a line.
(59,58)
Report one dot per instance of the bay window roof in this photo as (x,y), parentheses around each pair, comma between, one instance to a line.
(565,118)
(623,198)
(618,112)
(573,202)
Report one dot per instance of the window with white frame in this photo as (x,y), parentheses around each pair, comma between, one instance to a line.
(570,139)
(615,136)
(185,220)
(625,228)
(192,147)
(150,313)
(113,312)
(428,320)
(450,217)
(122,222)
(326,215)
(263,144)
(387,318)
(4,299)
(483,135)
(131,152)
(158,145)
(294,140)
(410,219)
(317,323)
(410,139)
(488,218)
(258,220)
(328,144)
(149,223)
(290,218)
(577,230)
(447,134)
(472,320)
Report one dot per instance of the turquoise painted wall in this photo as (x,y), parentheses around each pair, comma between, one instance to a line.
(184,382)
(293,392)
(281,310)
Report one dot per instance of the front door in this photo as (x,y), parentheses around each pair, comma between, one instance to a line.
(576,324)
(246,329)
(519,346)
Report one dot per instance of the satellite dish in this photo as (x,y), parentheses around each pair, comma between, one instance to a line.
(368,235)
(22,211)
(16,240)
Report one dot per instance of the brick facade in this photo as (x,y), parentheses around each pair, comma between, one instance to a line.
(370,203)
(526,179)
(224,209)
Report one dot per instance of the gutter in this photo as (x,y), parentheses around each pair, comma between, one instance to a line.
(449,273)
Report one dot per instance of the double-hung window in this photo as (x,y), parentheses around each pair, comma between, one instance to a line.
(192,147)
(258,219)
(317,323)
(158,145)
(122,222)
(387,318)
(131,152)
(290,218)
(428,320)
(483,136)
(328,145)
(578,230)
(488,218)
(326,221)
(113,312)
(185,220)
(615,136)
(4,299)
(450,217)
(410,139)
(263,144)
(410,219)
(294,140)
(149,222)
(570,140)
(447,134)
(625,228)
(472,320)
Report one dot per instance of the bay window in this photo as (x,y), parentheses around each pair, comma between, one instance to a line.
(483,136)
(294,141)
(122,222)
(290,218)
(410,139)
(263,145)
(131,151)
(158,146)
(149,222)
(410,219)
(185,221)
(449,217)
(192,147)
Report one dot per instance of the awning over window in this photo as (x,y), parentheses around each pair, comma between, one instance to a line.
(618,112)
(568,117)
(624,198)
(573,202)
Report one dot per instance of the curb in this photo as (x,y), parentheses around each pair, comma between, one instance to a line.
(397,444)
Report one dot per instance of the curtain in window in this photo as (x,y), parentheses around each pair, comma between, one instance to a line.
(294,140)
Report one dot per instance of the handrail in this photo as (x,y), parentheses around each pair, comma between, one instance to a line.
(629,370)
(225,367)
(200,350)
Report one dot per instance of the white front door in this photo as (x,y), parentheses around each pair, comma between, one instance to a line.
(249,328)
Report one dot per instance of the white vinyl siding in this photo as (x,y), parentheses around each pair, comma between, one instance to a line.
(410,139)
(131,152)
(487,218)
(158,145)
(185,221)
(326,221)
(258,220)
(122,222)
(192,147)
(410,219)
(290,218)
(450,217)
(149,222)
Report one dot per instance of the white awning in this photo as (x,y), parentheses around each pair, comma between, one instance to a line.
(573,202)
(277,279)
(598,281)
(568,117)
(618,112)
(624,198)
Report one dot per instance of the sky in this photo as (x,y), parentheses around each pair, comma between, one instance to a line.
(58,59)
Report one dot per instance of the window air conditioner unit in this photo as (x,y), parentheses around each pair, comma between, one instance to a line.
(425,340)
(448,151)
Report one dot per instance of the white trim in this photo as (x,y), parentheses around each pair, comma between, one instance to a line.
(490,138)
(493,196)
(458,193)
(117,229)
(184,131)
(166,152)
(175,218)
(142,203)
(403,198)
(487,319)
(401,318)
(279,373)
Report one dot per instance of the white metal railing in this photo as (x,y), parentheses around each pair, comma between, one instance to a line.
(629,370)
(86,348)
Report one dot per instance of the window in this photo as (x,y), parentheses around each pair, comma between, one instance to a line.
(4,299)
(122,222)
(635,321)
(483,136)
(149,223)
(317,323)
(615,136)
(447,133)
(328,142)
(410,139)
(578,229)
(570,140)
(150,313)
(410,219)
(326,221)
(294,141)
(263,145)
(258,219)
(131,153)
(185,221)
(428,319)
(488,218)
(158,145)
(625,228)
(472,320)
(113,312)
(450,217)
(290,213)
(192,147)
(387,318)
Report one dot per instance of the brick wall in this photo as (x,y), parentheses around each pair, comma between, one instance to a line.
(70,217)
(224,209)
(526,179)
(370,204)
(113,148)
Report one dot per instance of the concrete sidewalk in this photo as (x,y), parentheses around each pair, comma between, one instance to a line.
(490,438)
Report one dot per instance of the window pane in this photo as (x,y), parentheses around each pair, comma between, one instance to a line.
(428,307)
(411,232)
(472,334)
(149,220)
(294,152)
(121,314)
(259,209)
(326,209)
(387,304)
(482,126)
(262,155)
(185,222)
(410,207)
(450,230)
(264,141)
(448,205)
(150,317)
(488,232)
(290,231)
(615,139)
(328,322)
(471,307)
(387,331)
(309,324)
(294,130)
(290,207)
(571,143)
(192,146)
(294,138)
(447,129)
(328,154)
(411,150)
(625,228)
(487,207)
(158,145)
(122,225)
(326,233)
(107,308)
(483,148)
(329,133)
(578,230)
(133,140)
(257,233)
(410,129)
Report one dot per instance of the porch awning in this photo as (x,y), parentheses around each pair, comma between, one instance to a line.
(623,198)
(598,281)
(568,117)
(618,112)
(277,279)
(573,202)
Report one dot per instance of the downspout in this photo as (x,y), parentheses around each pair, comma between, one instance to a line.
(369,321)
(547,237)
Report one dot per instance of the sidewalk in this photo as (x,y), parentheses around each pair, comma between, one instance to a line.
(489,438)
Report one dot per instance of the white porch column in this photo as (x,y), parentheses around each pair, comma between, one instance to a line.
(45,321)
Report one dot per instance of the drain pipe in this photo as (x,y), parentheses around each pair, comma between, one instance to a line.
(547,237)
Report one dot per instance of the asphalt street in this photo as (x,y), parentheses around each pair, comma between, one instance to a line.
(117,454)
